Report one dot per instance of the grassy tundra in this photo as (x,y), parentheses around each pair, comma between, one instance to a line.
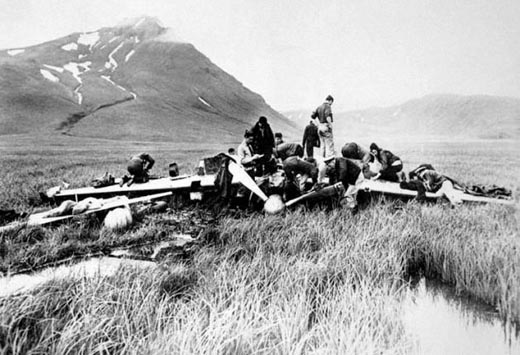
(301,282)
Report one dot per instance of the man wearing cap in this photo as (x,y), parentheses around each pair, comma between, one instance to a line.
(310,139)
(324,116)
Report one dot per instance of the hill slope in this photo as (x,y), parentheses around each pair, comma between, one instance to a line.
(134,81)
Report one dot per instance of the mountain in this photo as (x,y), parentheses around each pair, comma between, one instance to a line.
(135,81)
(433,115)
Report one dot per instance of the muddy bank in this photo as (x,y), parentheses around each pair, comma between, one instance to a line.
(30,249)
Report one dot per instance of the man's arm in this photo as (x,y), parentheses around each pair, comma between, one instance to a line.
(384,160)
(246,159)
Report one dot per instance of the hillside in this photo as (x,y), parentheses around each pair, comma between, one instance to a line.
(135,81)
(432,115)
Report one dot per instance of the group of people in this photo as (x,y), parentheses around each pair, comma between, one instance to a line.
(262,151)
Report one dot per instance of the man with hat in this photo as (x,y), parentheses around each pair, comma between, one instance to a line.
(323,114)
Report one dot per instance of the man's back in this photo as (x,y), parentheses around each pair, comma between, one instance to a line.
(310,134)
(323,112)
(285,150)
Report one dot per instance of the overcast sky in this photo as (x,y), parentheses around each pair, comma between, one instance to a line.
(363,52)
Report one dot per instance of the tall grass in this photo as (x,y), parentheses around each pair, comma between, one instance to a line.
(307,281)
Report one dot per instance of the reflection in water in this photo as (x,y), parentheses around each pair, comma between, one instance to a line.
(104,266)
(443,323)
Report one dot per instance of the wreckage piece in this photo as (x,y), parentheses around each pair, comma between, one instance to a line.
(42,218)
(335,190)
(393,189)
(118,219)
(243,177)
(272,204)
(169,184)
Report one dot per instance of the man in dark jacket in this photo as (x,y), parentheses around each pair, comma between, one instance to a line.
(263,144)
(310,139)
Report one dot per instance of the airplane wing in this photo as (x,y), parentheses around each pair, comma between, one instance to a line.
(392,188)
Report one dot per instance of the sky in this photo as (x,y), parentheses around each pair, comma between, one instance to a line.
(365,53)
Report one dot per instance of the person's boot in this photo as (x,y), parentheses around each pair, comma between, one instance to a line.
(124,180)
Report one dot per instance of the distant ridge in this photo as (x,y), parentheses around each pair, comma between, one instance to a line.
(134,81)
(440,115)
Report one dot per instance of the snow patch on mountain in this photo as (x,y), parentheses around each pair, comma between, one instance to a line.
(49,76)
(204,102)
(58,69)
(113,39)
(13,52)
(140,22)
(75,69)
(131,53)
(107,78)
(89,39)
(111,61)
(70,47)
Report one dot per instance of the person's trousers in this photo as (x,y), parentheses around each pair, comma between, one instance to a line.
(326,139)
(350,194)
(390,173)
(309,150)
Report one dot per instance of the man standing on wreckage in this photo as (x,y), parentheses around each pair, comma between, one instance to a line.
(324,114)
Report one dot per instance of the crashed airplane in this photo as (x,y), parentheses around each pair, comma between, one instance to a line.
(89,200)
